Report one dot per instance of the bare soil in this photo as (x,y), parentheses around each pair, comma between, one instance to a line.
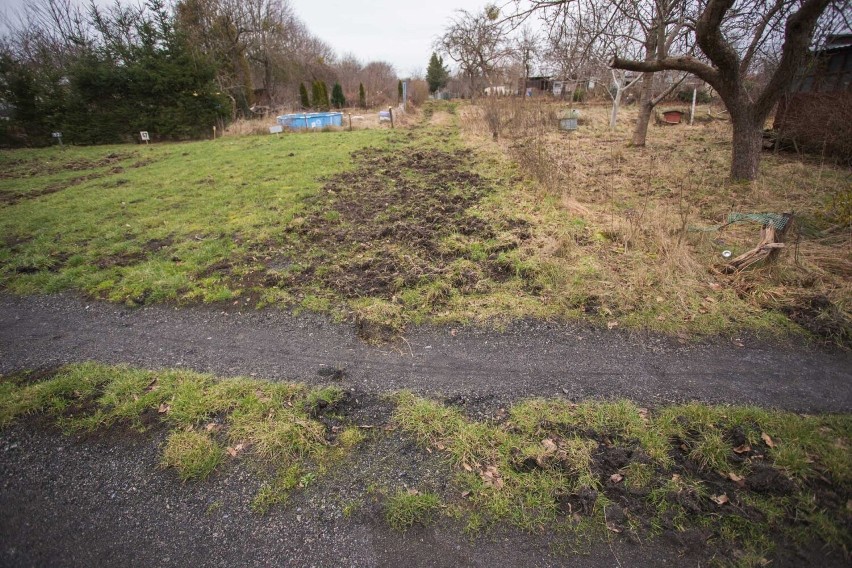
(392,211)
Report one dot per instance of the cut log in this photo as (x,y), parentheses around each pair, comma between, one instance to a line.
(767,249)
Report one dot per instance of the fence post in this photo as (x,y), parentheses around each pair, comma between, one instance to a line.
(390,111)
(692,110)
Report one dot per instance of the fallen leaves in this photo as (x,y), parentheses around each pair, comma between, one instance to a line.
(550,446)
(491,477)
(742,449)
(720,499)
(767,440)
(233,451)
(213,427)
(164,408)
(740,481)
(611,324)
(616,477)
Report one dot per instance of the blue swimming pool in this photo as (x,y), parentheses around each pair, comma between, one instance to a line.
(311,120)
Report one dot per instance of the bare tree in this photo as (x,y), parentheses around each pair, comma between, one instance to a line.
(477,43)
(730,34)
(527,49)
(660,26)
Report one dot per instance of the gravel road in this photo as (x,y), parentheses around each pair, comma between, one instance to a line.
(105,501)
(478,365)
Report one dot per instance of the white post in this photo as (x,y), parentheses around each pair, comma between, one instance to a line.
(692,111)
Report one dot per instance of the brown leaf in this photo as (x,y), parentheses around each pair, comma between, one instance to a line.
(467,467)
(491,476)
(643,414)
(550,446)
(413,492)
(613,528)
(232,452)
(740,481)
(616,477)
(743,449)
(767,440)
(454,332)
(720,499)
(465,493)
(164,408)
(213,427)
(612,324)
(440,446)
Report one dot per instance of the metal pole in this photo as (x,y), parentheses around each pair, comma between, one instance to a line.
(692,111)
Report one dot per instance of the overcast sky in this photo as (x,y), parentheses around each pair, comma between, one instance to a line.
(400,32)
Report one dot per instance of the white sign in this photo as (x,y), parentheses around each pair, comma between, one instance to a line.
(144,135)
(57,135)
(557,88)
(277,129)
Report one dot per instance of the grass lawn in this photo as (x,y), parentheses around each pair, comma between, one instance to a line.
(744,482)
(434,222)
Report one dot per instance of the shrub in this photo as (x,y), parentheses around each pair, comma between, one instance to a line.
(701,97)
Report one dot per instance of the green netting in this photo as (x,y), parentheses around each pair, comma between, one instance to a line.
(772,219)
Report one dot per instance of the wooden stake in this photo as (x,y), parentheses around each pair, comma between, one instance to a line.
(390,111)
(692,111)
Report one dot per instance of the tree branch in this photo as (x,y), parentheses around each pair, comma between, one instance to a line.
(656,100)
(686,63)
(797,38)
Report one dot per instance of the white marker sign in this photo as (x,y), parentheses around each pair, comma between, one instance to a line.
(144,135)
(278,129)
(57,135)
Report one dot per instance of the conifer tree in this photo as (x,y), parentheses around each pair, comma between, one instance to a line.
(362,96)
(338,100)
(399,91)
(436,74)
(324,98)
(303,96)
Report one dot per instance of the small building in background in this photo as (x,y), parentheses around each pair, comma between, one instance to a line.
(816,114)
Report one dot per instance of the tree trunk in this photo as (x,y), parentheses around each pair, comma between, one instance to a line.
(646,107)
(746,148)
(616,102)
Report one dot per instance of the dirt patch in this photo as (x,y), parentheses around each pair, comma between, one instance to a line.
(36,168)
(45,169)
(383,225)
(134,257)
(821,317)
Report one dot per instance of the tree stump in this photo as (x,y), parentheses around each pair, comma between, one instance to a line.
(770,245)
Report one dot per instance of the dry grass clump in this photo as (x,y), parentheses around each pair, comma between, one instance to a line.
(634,236)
